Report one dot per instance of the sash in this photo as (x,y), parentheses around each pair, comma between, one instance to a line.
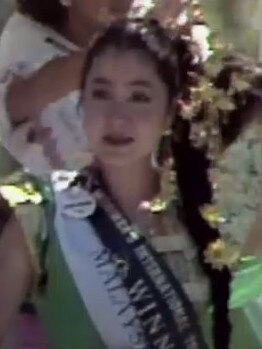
(166,314)
(94,274)
(130,293)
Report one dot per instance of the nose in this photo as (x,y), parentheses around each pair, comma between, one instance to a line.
(117,111)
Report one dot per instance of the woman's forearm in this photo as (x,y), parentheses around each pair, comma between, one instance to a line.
(27,98)
(15,273)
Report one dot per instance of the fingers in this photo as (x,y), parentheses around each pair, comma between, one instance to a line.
(52,154)
(44,136)
(38,135)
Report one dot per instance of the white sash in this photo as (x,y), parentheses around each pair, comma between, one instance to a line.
(83,251)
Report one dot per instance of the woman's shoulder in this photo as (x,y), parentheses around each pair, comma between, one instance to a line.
(20,32)
(18,20)
(25,40)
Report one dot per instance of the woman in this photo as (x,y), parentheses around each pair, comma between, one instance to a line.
(114,269)
(43,39)
(195,191)
(130,330)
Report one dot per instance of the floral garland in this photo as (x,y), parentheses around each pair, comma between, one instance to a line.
(214,103)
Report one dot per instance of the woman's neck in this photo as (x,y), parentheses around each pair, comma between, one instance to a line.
(131,185)
(78,32)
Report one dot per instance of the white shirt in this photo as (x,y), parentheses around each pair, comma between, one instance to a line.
(25,46)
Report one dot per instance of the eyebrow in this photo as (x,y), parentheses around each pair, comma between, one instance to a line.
(100,80)
(139,82)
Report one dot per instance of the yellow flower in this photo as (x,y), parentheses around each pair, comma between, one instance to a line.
(220,255)
(157,205)
(16,194)
(212,215)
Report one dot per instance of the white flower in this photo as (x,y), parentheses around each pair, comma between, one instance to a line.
(200,34)
(61,179)
(182,19)
(140,8)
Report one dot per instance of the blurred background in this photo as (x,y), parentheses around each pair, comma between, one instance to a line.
(6,8)
(238,21)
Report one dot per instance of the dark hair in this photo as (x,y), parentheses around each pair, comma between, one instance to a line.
(116,36)
(47,12)
(5,213)
(174,59)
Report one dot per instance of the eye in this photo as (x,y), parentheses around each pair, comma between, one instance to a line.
(140,97)
(100,94)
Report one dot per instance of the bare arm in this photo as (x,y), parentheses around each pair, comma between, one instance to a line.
(27,98)
(15,273)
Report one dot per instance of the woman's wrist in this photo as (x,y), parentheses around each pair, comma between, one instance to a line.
(28,97)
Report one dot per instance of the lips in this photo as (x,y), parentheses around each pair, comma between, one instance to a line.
(118,140)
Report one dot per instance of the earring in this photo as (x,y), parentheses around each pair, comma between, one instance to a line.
(160,153)
(168,185)
(66,3)
(163,161)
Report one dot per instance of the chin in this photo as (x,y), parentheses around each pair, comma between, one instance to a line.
(118,160)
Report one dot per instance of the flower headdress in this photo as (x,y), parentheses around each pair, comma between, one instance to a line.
(213,104)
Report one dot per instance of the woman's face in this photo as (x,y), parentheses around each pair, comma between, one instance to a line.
(91,9)
(126,106)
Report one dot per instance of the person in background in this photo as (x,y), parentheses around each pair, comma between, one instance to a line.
(40,45)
